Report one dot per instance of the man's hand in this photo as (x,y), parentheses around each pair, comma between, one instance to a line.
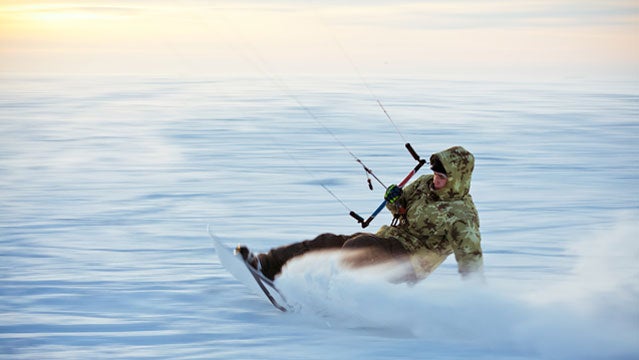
(393,193)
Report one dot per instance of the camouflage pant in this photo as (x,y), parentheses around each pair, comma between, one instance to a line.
(374,249)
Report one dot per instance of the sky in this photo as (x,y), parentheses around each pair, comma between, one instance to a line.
(553,39)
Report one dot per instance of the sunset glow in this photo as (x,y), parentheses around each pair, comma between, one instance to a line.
(462,38)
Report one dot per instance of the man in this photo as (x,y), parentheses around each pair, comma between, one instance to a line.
(434,217)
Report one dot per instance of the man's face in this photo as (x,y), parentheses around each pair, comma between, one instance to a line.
(440,180)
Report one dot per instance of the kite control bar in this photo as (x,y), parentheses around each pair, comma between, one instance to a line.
(420,163)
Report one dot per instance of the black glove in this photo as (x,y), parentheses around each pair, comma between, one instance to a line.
(393,193)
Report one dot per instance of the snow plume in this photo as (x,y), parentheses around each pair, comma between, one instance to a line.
(593,312)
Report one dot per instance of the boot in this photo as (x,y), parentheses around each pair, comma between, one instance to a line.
(249,257)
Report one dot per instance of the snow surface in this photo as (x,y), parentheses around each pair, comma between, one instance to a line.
(108,184)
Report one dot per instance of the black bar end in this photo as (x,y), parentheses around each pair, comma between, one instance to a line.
(412,152)
(357,217)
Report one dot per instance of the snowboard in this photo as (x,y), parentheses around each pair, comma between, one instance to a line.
(249,276)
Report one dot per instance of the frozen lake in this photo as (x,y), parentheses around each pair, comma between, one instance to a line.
(108,184)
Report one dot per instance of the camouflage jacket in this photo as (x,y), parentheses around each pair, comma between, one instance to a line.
(440,222)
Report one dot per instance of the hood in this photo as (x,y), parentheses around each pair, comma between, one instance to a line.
(459,164)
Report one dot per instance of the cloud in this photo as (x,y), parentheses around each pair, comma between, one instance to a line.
(527,36)
(61,11)
(412,14)
(491,14)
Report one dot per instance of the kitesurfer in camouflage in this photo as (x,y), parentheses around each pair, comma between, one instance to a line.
(434,217)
